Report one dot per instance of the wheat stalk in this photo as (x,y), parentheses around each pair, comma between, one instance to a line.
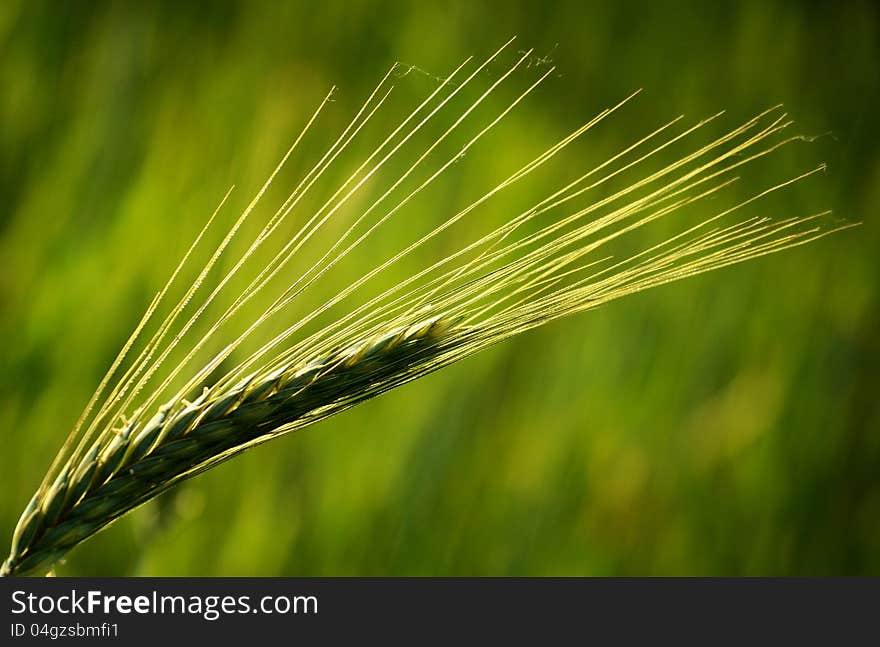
(532,269)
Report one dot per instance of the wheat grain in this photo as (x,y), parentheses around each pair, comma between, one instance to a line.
(530,270)
(135,463)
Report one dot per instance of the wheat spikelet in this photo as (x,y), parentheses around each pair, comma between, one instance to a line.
(535,267)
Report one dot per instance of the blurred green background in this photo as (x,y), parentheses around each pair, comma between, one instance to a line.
(726,425)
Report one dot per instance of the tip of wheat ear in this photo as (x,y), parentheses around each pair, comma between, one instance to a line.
(140,460)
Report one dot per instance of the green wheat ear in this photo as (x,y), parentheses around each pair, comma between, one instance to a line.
(127,447)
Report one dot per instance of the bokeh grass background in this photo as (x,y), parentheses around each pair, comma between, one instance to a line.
(726,425)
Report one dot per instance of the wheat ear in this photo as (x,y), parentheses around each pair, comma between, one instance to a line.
(539,266)
(187,437)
